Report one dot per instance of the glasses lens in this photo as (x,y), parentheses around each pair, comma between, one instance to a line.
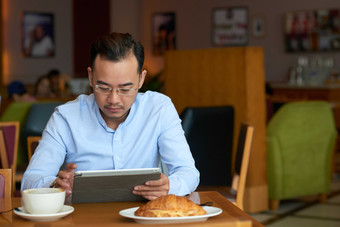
(129,91)
(103,90)
(120,91)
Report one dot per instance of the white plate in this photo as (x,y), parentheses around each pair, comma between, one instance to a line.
(130,213)
(44,217)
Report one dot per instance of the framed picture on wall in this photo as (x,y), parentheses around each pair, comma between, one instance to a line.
(312,30)
(258,26)
(230,26)
(163,32)
(37,34)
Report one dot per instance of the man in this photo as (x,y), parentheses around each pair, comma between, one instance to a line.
(115,127)
(39,44)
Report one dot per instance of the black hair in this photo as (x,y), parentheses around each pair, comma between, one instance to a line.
(53,72)
(117,46)
(16,87)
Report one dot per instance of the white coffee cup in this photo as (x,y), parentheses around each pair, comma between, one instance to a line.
(43,200)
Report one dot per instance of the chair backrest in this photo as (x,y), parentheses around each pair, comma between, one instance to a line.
(10,135)
(209,132)
(3,151)
(245,140)
(10,132)
(32,143)
(5,183)
(38,116)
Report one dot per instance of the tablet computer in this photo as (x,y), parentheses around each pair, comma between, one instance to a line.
(110,185)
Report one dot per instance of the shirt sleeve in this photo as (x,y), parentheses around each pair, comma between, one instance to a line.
(175,153)
(48,157)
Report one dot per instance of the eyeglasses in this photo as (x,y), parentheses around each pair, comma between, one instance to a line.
(120,91)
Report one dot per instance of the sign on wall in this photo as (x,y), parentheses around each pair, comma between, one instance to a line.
(230,26)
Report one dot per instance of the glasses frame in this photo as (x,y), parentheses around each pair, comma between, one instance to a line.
(118,90)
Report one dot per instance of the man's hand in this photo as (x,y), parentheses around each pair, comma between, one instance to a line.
(153,189)
(65,178)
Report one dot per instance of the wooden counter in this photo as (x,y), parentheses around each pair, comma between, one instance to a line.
(286,92)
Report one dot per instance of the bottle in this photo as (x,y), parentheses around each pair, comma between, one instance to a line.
(299,75)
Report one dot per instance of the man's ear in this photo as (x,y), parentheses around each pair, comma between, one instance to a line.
(90,76)
(142,78)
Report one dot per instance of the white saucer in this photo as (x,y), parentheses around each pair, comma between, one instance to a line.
(44,217)
(130,213)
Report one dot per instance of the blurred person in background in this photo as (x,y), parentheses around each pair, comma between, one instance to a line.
(18,92)
(43,88)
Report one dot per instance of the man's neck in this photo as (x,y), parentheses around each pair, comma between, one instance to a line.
(114,123)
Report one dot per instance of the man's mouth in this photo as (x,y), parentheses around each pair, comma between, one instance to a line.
(113,109)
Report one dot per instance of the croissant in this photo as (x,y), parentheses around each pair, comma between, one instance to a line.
(170,206)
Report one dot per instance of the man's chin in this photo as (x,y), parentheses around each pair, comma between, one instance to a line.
(117,115)
(114,116)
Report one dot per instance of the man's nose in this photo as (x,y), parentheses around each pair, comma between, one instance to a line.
(113,96)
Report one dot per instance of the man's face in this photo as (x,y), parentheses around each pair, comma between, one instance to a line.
(108,74)
(39,32)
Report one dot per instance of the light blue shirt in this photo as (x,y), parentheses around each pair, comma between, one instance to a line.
(77,133)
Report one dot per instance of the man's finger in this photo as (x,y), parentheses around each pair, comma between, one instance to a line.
(150,195)
(64,175)
(70,167)
(164,180)
(65,185)
(147,188)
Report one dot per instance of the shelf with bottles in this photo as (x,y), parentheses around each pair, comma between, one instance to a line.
(314,71)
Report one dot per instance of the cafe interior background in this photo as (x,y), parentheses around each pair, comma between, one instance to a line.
(267,25)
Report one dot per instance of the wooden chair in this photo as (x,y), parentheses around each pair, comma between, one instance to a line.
(6,197)
(32,143)
(9,140)
(3,151)
(242,163)
(6,183)
(235,193)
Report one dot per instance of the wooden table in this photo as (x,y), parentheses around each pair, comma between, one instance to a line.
(99,214)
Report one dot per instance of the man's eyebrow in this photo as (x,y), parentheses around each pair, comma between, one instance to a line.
(102,82)
(119,85)
(126,84)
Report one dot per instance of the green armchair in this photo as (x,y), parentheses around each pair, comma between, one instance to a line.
(300,141)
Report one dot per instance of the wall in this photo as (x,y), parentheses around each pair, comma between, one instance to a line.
(28,70)
(194,28)
(125,16)
(193,19)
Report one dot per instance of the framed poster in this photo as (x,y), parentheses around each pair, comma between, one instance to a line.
(37,34)
(163,32)
(230,26)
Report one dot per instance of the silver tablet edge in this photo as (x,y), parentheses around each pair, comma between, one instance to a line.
(122,172)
